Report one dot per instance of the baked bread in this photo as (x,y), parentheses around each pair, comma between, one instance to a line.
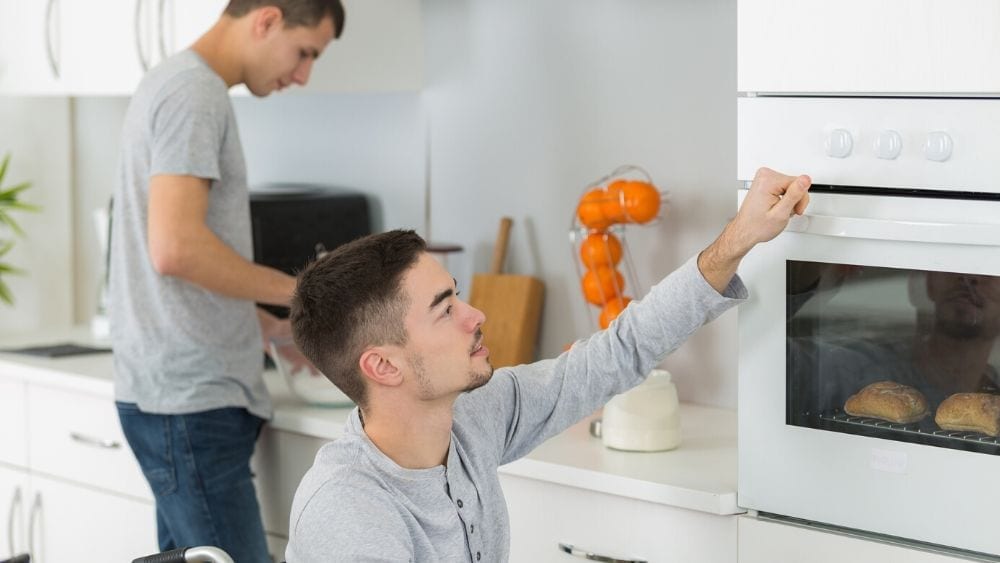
(975,412)
(888,400)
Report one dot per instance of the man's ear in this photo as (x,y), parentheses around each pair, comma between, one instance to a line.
(378,365)
(266,19)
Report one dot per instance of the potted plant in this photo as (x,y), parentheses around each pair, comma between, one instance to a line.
(9,201)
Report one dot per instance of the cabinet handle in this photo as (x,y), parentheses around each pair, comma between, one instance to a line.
(15,508)
(33,515)
(138,36)
(590,556)
(96,442)
(50,50)
(161,30)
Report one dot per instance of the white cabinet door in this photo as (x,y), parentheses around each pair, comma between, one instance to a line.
(381,49)
(13,422)
(29,47)
(73,523)
(868,46)
(105,46)
(280,461)
(13,512)
(181,22)
(762,541)
(545,515)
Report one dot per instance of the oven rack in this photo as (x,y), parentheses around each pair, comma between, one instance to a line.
(924,432)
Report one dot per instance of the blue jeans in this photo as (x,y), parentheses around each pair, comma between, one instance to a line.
(198,466)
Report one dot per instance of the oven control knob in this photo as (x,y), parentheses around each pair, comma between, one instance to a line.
(938,146)
(888,144)
(839,143)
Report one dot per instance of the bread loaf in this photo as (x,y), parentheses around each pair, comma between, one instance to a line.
(975,412)
(888,400)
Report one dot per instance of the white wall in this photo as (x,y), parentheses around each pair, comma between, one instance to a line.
(35,132)
(525,103)
(529,101)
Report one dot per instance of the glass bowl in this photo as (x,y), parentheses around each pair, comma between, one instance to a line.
(305,382)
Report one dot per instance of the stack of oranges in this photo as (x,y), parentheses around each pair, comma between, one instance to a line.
(621,201)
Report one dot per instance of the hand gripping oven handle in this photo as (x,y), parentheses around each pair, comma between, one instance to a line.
(909,231)
(591,556)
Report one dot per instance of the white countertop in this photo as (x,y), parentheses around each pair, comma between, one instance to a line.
(699,475)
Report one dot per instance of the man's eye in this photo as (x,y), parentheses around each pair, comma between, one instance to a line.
(448,310)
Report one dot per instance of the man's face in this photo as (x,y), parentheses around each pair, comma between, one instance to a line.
(444,349)
(285,56)
(966,306)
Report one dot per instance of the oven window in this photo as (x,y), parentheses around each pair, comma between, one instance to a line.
(908,355)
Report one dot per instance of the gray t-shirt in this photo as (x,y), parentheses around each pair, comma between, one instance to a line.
(179,348)
(357,505)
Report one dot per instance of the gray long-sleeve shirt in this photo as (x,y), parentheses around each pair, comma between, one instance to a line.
(355,504)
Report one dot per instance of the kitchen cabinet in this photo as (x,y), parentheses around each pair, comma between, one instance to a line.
(13,421)
(13,512)
(868,46)
(545,516)
(103,47)
(768,541)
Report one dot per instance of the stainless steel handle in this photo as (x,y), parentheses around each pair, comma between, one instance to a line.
(49,48)
(15,507)
(909,231)
(164,51)
(96,442)
(143,61)
(590,556)
(36,511)
(207,553)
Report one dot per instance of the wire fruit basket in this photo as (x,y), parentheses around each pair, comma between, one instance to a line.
(604,265)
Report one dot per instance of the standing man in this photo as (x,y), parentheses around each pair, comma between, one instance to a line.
(414,476)
(186,333)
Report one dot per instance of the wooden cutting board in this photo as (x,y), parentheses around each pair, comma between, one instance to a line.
(513,307)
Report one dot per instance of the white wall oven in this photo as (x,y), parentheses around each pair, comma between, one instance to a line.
(869,363)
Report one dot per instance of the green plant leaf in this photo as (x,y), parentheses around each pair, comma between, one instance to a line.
(8,269)
(3,167)
(6,219)
(5,246)
(11,192)
(5,294)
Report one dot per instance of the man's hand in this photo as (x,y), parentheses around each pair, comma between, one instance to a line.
(773,199)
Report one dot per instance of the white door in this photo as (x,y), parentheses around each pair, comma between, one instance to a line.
(29,47)
(868,46)
(181,22)
(73,523)
(104,45)
(13,512)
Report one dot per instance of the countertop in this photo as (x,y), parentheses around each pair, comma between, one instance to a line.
(699,475)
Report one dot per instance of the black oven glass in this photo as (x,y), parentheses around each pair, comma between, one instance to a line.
(908,355)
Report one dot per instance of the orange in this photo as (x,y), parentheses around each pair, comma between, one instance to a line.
(611,205)
(640,200)
(611,311)
(600,249)
(589,210)
(602,284)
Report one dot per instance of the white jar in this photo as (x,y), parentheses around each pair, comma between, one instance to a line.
(645,418)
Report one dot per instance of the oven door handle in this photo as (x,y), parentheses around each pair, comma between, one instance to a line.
(910,231)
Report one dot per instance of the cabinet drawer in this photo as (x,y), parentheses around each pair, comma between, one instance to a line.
(280,461)
(13,422)
(543,515)
(78,437)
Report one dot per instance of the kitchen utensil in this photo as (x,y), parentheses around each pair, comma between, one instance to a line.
(305,382)
(513,307)
(643,419)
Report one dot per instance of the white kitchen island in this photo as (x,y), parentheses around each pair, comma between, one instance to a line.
(61,445)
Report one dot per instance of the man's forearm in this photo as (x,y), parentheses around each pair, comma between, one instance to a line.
(719,261)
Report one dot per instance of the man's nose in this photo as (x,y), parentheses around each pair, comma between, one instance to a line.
(476,317)
(302,72)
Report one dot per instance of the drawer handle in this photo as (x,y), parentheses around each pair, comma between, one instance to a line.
(96,442)
(589,556)
(15,510)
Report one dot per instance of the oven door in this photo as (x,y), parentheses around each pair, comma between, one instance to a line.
(862,289)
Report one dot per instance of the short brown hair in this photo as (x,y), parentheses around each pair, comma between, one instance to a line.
(296,13)
(351,299)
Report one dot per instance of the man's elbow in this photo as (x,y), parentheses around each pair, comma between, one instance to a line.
(169,258)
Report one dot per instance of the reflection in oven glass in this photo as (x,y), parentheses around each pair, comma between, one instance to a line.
(908,355)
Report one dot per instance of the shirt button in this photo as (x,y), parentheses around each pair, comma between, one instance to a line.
(460,503)
(478,556)
(472,529)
